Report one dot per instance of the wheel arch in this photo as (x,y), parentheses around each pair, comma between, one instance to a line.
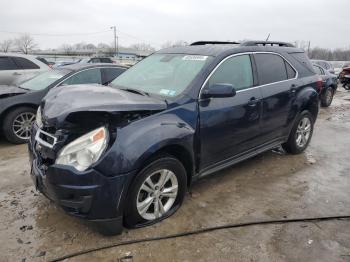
(180,152)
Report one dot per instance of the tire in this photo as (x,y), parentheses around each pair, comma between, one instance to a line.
(9,125)
(133,218)
(292,146)
(327,97)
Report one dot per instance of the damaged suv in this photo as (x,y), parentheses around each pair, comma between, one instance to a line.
(124,155)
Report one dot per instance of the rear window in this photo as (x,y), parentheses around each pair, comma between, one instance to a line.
(271,68)
(25,63)
(6,63)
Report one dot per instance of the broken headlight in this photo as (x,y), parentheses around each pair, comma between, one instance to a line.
(38,119)
(85,150)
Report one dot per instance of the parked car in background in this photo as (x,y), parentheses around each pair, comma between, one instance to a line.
(325,64)
(125,154)
(65,63)
(337,65)
(344,76)
(96,60)
(18,104)
(42,59)
(15,68)
(329,86)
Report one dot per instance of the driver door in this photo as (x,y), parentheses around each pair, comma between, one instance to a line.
(230,126)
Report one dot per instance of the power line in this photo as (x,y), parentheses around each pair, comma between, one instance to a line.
(79,34)
(41,34)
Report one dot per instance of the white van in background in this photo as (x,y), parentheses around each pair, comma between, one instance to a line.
(15,68)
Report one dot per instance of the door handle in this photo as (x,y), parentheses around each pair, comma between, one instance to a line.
(293,88)
(17,74)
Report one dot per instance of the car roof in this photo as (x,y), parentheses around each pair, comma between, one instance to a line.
(17,54)
(213,48)
(77,66)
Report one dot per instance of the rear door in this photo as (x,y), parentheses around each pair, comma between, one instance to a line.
(9,70)
(230,126)
(278,83)
(28,68)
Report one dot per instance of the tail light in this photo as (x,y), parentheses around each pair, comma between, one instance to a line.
(319,84)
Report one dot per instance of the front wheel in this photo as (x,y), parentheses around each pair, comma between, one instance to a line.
(300,135)
(157,192)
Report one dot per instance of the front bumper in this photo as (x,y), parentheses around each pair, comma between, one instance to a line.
(89,194)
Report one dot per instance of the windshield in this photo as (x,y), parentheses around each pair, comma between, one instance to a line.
(162,74)
(43,80)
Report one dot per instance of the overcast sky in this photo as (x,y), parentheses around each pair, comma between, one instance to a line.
(326,23)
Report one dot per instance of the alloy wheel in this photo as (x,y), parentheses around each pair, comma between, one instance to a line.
(157,194)
(22,124)
(303,132)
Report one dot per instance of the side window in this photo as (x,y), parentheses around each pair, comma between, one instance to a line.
(236,70)
(6,63)
(271,68)
(290,71)
(25,63)
(95,60)
(109,74)
(106,60)
(90,76)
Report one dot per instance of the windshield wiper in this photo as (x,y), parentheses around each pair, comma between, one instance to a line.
(23,88)
(136,91)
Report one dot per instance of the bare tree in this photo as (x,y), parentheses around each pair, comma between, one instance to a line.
(67,49)
(143,47)
(6,45)
(167,44)
(25,43)
(103,46)
(174,44)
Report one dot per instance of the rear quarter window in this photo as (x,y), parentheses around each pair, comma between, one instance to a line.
(290,71)
(25,63)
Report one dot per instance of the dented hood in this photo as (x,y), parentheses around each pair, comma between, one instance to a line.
(62,101)
(6,91)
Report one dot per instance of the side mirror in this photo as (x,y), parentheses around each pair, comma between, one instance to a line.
(219,90)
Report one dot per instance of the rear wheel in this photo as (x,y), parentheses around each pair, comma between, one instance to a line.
(327,97)
(157,192)
(300,135)
(17,124)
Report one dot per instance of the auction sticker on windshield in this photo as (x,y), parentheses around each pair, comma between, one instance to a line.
(195,57)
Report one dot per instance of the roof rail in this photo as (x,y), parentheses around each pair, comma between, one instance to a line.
(266,43)
(214,43)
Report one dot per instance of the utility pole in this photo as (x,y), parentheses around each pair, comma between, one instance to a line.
(116,51)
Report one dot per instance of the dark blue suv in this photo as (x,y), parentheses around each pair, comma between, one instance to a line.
(125,154)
